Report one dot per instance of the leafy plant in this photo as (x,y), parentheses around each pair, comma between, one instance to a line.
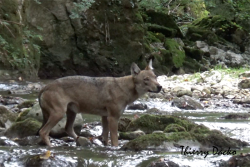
(80,7)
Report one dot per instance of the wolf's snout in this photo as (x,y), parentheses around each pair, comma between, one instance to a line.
(159,88)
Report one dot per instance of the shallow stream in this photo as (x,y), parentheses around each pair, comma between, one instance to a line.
(108,156)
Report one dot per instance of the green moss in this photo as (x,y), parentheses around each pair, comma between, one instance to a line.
(176,136)
(22,115)
(177,52)
(168,32)
(150,123)
(214,29)
(26,104)
(160,36)
(164,20)
(27,127)
(151,37)
(143,142)
(174,128)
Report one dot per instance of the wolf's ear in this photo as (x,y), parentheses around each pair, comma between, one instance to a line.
(135,70)
(149,66)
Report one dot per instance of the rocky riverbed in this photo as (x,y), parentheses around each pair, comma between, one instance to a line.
(203,117)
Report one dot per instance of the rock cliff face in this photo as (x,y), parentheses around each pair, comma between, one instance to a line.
(45,39)
(103,41)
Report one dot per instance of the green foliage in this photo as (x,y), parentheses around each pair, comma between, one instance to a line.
(233,72)
(37,1)
(80,7)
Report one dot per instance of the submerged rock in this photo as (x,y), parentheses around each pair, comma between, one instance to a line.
(4,141)
(242,160)
(50,160)
(237,116)
(163,163)
(139,106)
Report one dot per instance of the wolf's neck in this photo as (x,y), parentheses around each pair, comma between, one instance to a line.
(127,85)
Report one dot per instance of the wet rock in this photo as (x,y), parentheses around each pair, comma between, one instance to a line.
(92,129)
(123,124)
(58,130)
(28,141)
(244,84)
(51,160)
(242,160)
(26,104)
(4,141)
(187,103)
(163,163)
(19,91)
(138,106)
(242,101)
(28,127)
(153,111)
(83,141)
(237,116)
(10,100)
(6,116)
(130,135)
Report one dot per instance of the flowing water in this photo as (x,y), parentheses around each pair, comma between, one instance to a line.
(11,156)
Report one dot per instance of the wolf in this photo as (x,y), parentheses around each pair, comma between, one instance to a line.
(103,96)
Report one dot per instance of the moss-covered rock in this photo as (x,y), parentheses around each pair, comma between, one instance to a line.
(146,141)
(196,54)
(176,51)
(174,128)
(177,132)
(216,29)
(150,123)
(130,135)
(6,115)
(163,20)
(26,104)
(28,127)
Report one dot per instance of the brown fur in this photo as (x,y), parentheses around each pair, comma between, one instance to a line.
(104,96)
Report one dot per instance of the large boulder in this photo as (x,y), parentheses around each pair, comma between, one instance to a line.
(27,127)
(7,117)
(57,131)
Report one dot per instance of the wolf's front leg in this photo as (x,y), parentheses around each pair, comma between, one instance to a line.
(113,127)
(105,130)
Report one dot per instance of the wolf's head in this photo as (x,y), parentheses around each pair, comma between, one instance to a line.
(145,80)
